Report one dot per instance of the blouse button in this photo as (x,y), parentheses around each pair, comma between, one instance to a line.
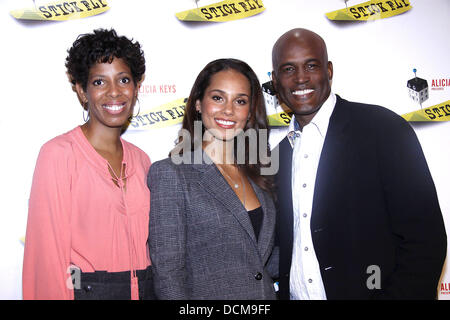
(87,288)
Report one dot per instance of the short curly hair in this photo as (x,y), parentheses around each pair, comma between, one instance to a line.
(103,46)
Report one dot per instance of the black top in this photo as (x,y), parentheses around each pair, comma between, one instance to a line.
(256,217)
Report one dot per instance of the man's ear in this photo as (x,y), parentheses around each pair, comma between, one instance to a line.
(330,70)
(274,80)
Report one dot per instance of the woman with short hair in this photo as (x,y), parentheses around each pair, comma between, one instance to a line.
(88,212)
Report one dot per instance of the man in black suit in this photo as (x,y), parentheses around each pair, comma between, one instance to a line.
(358,214)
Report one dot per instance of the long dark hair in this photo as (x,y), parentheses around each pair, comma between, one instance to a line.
(257,116)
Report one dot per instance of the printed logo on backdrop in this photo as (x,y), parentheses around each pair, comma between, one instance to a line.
(445,288)
(440,84)
(418,92)
(417,89)
(371,10)
(61,10)
(224,11)
(150,89)
(169,114)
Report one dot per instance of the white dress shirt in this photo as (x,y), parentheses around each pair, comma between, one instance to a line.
(305,278)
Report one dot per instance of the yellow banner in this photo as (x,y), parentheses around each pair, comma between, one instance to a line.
(439,112)
(62,10)
(281,119)
(227,10)
(371,10)
(159,117)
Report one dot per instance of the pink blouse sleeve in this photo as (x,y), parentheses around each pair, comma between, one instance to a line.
(47,241)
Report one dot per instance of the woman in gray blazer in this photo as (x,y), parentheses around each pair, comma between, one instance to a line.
(212,217)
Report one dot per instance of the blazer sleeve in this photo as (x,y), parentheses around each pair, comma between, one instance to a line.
(167,235)
(414,212)
(47,242)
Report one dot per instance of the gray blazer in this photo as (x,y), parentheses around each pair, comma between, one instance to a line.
(202,243)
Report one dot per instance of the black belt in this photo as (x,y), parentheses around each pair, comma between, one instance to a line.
(123,276)
(103,285)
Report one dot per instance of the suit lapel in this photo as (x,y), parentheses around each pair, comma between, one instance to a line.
(285,220)
(215,184)
(266,232)
(330,165)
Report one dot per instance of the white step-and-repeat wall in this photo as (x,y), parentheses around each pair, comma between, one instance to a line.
(373,60)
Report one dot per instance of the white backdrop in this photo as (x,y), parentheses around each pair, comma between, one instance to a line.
(372,63)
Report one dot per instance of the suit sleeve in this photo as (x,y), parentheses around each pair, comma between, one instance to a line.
(414,212)
(167,235)
(47,243)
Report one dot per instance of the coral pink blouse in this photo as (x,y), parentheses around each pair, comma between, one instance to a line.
(79,216)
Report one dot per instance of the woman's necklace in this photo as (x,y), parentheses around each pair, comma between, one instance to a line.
(236,185)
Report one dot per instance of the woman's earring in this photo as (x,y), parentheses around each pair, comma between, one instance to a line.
(86,112)
(199,115)
(139,110)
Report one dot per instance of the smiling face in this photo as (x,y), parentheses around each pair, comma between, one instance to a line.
(110,93)
(302,73)
(226,103)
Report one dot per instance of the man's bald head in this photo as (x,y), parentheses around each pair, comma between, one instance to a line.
(303,37)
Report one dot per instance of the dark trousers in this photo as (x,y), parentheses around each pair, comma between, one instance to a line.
(102,285)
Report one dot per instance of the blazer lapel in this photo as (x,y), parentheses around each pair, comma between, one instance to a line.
(285,220)
(330,165)
(214,183)
(266,232)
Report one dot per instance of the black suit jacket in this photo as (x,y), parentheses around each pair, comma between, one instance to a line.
(374,204)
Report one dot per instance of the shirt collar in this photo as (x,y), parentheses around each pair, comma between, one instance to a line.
(320,120)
